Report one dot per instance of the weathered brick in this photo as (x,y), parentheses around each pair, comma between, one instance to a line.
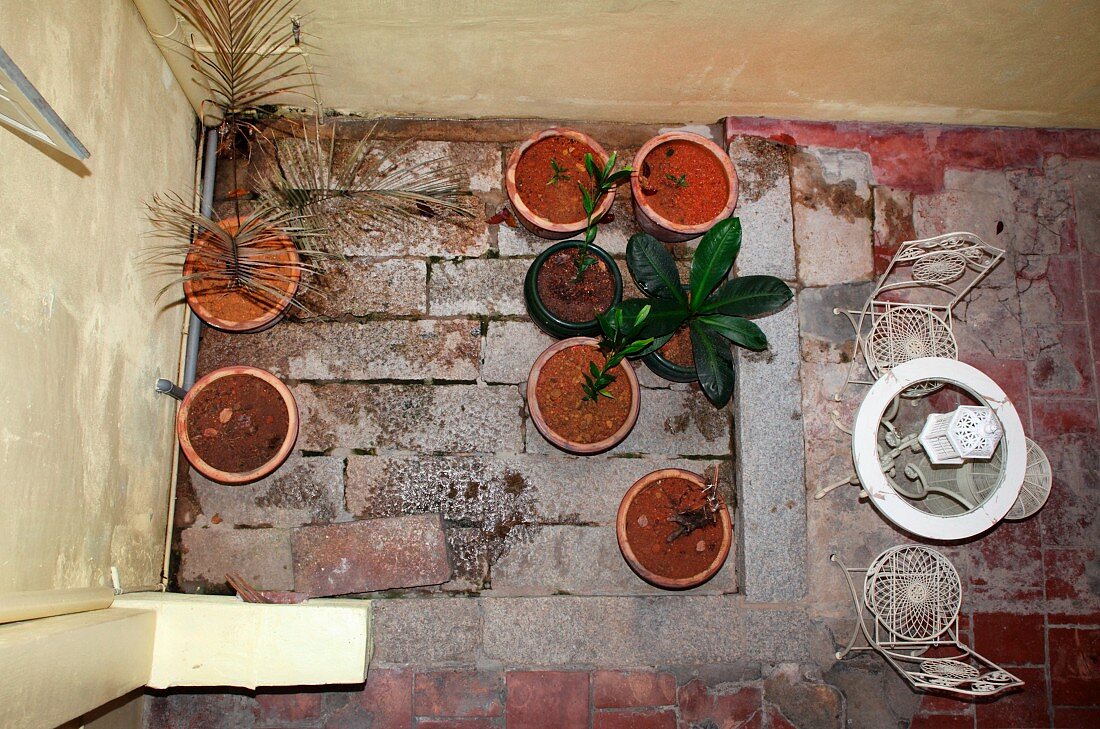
(634,720)
(261,556)
(374,350)
(831,195)
(364,286)
(477,286)
(493,490)
(302,491)
(626,689)
(764,207)
(384,701)
(547,699)
(583,560)
(722,706)
(458,693)
(671,423)
(364,556)
(457,419)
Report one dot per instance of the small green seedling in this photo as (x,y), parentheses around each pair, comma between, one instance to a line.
(618,341)
(605,181)
(680,181)
(559,172)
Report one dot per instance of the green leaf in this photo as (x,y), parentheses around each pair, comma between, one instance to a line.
(586,199)
(590,165)
(610,165)
(618,177)
(713,259)
(590,235)
(747,296)
(658,342)
(739,331)
(653,269)
(664,318)
(713,363)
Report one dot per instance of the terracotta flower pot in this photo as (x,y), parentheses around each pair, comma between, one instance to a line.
(712,565)
(544,418)
(542,314)
(235,310)
(538,223)
(716,191)
(230,417)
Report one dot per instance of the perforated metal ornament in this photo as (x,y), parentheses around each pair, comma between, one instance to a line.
(914,592)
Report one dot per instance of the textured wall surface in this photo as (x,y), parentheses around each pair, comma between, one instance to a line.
(85,447)
(969,62)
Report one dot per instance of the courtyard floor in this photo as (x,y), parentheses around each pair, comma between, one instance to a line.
(410,382)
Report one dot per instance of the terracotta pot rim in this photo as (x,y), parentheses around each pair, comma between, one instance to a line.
(723,159)
(565,229)
(275,311)
(670,583)
(227,477)
(583,449)
(540,313)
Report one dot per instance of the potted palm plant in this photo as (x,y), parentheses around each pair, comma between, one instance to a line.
(582,393)
(710,312)
(673,528)
(681,186)
(570,283)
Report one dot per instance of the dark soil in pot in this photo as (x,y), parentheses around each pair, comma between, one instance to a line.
(649,525)
(561,397)
(683,183)
(678,350)
(237,423)
(571,300)
(557,199)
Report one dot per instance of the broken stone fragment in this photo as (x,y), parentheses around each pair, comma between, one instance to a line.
(376,554)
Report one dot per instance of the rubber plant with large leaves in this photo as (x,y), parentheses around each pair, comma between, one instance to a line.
(715,306)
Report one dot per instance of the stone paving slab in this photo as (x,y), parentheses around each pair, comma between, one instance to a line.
(825,336)
(365,286)
(638,631)
(364,556)
(583,560)
(449,237)
(261,556)
(764,207)
(831,197)
(453,418)
(373,350)
(477,286)
(303,491)
(671,423)
(426,631)
(612,237)
(544,489)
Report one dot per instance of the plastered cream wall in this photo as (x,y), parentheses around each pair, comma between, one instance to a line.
(1033,63)
(85,445)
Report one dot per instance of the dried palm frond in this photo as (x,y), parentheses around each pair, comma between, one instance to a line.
(249,60)
(233,259)
(367,185)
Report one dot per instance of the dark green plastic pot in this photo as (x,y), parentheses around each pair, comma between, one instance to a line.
(669,370)
(542,316)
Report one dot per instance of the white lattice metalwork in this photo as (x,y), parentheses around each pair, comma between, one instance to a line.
(967,433)
(909,313)
(909,606)
(981,478)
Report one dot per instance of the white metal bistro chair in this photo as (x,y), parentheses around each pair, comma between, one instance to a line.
(909,313)
(911,597)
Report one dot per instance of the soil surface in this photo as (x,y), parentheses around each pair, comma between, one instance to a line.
(574,301)
(559,201)
(223,299)
(684,183)
(648,527)
(560,392)
(678,350)
(237,423)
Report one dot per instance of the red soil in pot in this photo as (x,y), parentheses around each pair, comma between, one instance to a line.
(703,196)
(678,350)
(561,400)
(560,202)
(237,423)
(648,528)
(574,301)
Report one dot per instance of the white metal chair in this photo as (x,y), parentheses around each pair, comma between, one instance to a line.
(909,313)
(911,596)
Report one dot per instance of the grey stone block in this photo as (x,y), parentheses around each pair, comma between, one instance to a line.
(373,350)
(511,347)
(426,631)
(639,631)
(452,418)
(829,337)
(365,286)
(771,464)
(477,286)
(764,207)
